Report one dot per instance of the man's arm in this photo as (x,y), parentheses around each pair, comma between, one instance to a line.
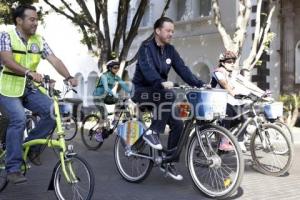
(184,72)
(8,61)
(147,67)
(61,68)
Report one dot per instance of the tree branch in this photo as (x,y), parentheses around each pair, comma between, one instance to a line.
(86,11)
(123,10)
(266,31)
(134,28)
(134,58)
(242,23)
(227,41)
(248,61)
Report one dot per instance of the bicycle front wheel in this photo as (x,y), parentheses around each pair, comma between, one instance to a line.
(133,163)
(271,150)
(70,128)
(88,132)
(3,174)
(81,184)
(215,173)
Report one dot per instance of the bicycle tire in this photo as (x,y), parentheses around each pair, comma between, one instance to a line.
(287,130)
(120,163)
(88,133)
(220,173)
(3,174)
(64,190)
(70,128)
(261,149)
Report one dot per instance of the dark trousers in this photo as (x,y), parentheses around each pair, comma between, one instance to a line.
(232,111)
(161,101)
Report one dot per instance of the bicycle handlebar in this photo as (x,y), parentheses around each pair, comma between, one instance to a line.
(46,84)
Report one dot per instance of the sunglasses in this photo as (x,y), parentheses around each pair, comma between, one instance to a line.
(230,61)
(116,67)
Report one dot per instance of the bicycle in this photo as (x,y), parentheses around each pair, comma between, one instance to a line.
(93,124)
(72,176)
(69,123)
(271,150)
(215,173)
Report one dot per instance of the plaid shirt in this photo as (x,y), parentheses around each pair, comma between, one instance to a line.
(5,44)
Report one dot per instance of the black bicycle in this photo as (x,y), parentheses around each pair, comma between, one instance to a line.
(271,149)
(94,126)
(215,173)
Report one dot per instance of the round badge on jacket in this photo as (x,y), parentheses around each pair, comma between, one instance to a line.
(168,61)
(34,48)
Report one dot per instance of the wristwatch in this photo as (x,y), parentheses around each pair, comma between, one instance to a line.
(68,78)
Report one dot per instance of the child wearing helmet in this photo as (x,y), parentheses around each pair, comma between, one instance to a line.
(103,92)
(221,79)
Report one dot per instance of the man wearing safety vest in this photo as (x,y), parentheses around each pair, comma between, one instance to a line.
(20,52)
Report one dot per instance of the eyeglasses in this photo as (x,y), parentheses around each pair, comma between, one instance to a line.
(116,67)
(230,61)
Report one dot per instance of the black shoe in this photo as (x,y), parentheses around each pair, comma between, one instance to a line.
(152,139)
(16,177)
(171,171)
(34,158)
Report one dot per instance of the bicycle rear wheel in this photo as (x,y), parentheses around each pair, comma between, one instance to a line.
(215,173)
(287,130)
(88,132)
(70,128)
(271,150)
(82,179)
(133,168)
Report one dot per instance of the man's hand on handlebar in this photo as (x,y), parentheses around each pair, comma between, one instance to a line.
(168,84)
(35,76)
(71,81)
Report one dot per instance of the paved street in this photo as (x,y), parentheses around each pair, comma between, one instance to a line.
(110,185)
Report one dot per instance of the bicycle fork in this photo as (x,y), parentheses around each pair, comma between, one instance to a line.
(66,166)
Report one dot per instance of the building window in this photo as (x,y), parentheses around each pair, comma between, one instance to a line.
(181,9)
(297,63)
(205,8)
(189,9)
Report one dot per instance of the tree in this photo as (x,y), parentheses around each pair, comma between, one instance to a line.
(6,6)
(262,36)
(94,25)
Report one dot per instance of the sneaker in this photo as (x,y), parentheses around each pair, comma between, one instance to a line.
(243,147)
(152,139)
(99,137)
(16,177)
(224,146)
(34,158)
(171,171)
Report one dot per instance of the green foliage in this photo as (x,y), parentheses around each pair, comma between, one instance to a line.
(290,102)
(6,7)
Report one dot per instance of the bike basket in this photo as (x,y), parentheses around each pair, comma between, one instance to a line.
(131,131)
(273,110)
(208,103)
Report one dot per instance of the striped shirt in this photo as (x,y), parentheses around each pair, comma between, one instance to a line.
(5,44)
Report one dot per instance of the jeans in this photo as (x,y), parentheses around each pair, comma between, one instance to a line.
(38,103)
(162,101)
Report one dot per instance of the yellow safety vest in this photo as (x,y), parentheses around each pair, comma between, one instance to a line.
(11,84)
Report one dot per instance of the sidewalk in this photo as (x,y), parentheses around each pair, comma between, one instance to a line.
(296,134)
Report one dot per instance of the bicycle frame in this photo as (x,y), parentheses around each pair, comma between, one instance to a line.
(52,143)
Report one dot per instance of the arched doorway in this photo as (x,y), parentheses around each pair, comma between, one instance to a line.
(91,84)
